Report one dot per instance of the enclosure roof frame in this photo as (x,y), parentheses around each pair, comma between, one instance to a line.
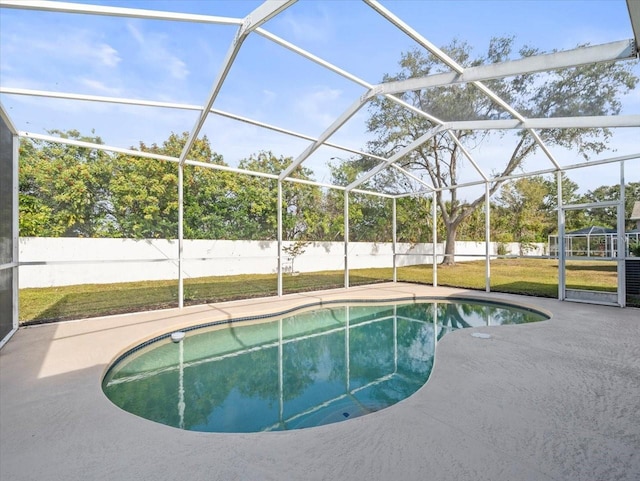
(254,23)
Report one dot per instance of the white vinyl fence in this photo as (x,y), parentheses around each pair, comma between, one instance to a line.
(48,262)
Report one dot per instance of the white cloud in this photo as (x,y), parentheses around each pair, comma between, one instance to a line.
(154,51)
(99,87)
(136,34)
(318,106)
(316,27)
(78,46)
(268,97)
(107,55)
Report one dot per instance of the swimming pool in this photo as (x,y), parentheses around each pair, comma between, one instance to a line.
(305,368)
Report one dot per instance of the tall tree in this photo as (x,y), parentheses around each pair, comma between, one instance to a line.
(144,192)
(585,90)
(63,188)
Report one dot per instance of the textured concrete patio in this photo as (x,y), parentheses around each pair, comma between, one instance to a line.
(555,400)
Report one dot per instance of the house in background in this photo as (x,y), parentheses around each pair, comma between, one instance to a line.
(596,241)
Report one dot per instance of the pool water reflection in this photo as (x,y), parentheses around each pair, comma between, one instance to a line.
(310,368)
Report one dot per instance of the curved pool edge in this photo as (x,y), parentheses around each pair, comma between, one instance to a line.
(302,307)
(299,308)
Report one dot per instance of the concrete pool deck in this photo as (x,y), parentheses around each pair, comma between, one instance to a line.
(555,400)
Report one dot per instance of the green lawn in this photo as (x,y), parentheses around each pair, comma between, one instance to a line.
(536,277)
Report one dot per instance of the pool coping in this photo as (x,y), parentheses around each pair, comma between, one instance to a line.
(556,399)
(305,307)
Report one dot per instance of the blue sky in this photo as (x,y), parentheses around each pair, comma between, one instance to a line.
(177,62)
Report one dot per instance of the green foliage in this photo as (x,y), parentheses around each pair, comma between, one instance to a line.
(369,215)
(414,220)
(63,188)
(72,191)
(66,190)
(502,249)
(145,198)
(607,216)
(257,201)
(521,206)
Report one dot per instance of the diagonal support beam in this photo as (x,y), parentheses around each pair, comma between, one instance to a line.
(634,15)
(254,20)
(544,148)
(441,55)
(468,155)
(373,90)
(179,106)
(414,177)
(4,115)
(457,68)
(395,157)
(339,122)
(609,52)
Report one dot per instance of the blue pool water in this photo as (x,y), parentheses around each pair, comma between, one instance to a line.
(304,369)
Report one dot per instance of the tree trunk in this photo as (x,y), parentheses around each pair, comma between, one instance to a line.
(450,244)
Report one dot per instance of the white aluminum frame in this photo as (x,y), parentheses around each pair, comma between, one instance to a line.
(254,24)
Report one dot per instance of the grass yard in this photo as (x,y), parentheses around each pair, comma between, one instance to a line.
(536,277)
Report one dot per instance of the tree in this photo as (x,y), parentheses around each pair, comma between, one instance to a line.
(145,196)
(369,215)
(522,206)
(414,221)
(144,193)
(63,188)
(256,201)
(607,216)
(585,90)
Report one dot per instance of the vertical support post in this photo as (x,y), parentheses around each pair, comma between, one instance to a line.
(487,238)
(15,232)
(622,246)
(279,210)
(180,234)
(434,238)
(561,240)
(394,240)
(346,239)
